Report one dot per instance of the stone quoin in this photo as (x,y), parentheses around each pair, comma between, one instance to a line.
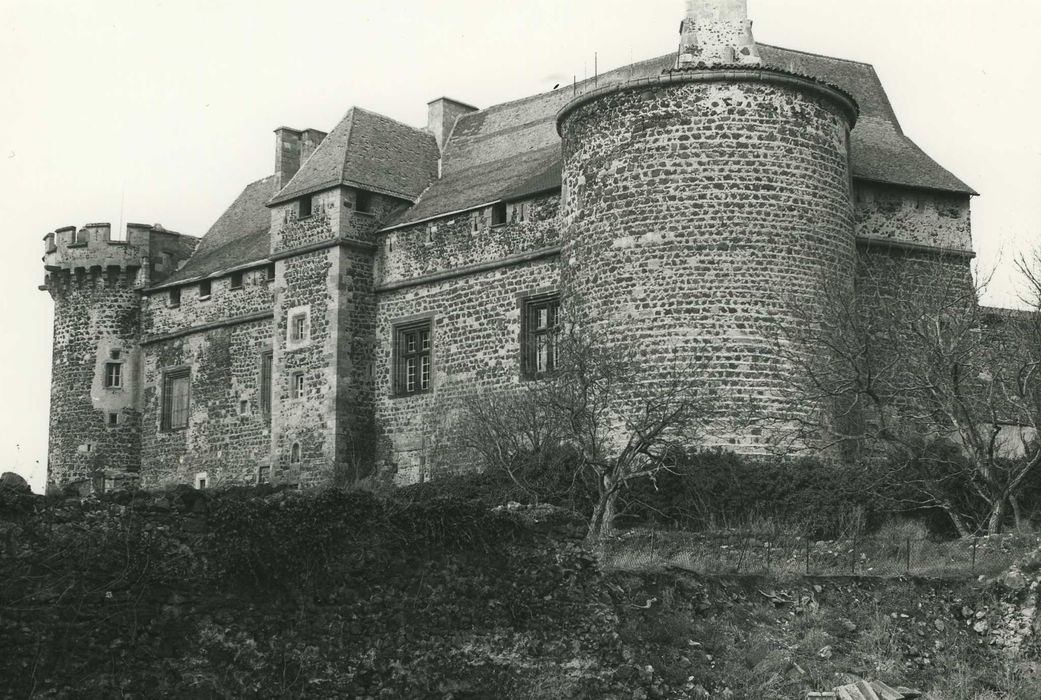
(327,326)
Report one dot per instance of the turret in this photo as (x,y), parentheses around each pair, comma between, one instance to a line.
(718,223)
(95,387)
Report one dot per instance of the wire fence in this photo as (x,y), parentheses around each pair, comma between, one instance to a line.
(779,554)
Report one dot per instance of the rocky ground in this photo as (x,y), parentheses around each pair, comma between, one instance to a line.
(278,594)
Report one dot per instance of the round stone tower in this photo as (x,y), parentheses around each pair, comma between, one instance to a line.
(704,212)
(95,421)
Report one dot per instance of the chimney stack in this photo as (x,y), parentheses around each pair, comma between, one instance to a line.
(292,148)
(442,114)
(717,33)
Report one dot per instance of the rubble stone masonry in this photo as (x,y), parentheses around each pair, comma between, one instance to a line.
(700,217)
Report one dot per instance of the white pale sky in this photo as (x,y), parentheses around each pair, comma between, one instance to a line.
(161,111)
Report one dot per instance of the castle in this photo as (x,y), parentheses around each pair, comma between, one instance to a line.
(330,317)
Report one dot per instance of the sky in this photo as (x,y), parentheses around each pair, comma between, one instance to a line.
(161,111)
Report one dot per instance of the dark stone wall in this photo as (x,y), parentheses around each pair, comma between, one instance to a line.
(96,312)
(700,219)
(476,346)
(228,433)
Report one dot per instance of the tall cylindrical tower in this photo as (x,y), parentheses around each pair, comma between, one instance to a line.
(95,418)
(704,213)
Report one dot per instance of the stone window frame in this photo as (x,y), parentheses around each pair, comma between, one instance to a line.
(400,356)
(166,416)
(528,337)
(266,380)
(202,480)
(298,385)
(521,211)
(294,341)
(114,375)
(500,214)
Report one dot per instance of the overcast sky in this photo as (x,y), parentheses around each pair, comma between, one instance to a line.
(150,111)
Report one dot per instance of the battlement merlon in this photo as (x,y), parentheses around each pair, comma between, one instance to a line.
(148,249)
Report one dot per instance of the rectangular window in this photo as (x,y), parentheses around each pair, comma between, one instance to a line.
(304,207)
(265,383)
(176,399)
(113,419)
(538,335)
(499,214)
(269,273)
(363,202)
(175,296)
(296,388)
(298,327)
(236,280)
(113,375)
(205,288)
(412,363)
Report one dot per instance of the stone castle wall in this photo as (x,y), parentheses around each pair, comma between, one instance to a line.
(228,435)
(699,219)
(93,428)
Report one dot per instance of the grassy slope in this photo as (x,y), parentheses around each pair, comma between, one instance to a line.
(340,595)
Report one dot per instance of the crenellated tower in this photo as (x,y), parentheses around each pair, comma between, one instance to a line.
(94,279)
(703,212)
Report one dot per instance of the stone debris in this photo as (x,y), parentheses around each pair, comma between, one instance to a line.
(863,690)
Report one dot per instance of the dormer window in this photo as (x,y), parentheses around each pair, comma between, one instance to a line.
(205,288)
(363,202)
(499,214)
(304,207)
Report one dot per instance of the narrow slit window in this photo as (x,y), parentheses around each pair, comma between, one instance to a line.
(265,383)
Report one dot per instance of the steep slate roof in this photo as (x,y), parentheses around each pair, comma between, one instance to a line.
(370,151)
(511,150)
(239,237)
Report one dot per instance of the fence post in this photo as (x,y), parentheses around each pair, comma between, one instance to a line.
(908,555)
(853,557)
(975,541)
(807,555)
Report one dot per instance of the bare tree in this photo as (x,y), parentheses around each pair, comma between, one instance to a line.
(945,391)
(601,409)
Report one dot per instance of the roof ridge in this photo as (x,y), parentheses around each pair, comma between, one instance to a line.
(816,55)
(417,129)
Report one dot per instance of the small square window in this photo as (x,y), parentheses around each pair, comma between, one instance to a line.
(205,288)
(175,296)
(412,358)
(499,214)
(113,375)
(363,202)
(202,480)
(236,280)
(305,207)
(296,388)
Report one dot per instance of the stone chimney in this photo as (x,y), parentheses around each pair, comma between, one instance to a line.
(292,148)
(717,33)
(442,114)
